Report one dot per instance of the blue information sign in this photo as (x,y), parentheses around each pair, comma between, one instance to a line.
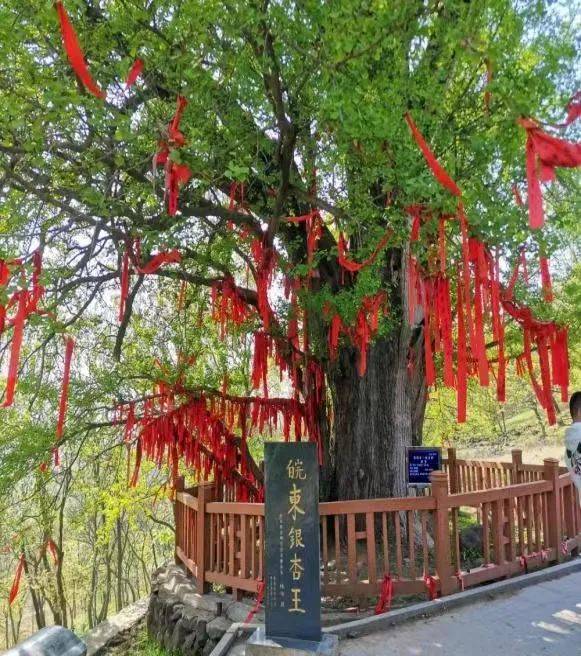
(293,596)
(421,461)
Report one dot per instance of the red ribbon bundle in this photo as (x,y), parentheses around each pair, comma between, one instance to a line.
(75,54)
(176,175)
(64,399)
(16,582)
(544,154)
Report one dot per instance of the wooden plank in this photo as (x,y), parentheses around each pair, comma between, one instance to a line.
(188,562)
(187,500)
(485,534)
(376,505)
(236,508)
(474,499)
(337,547)
(398,550)
(411,544)
(370,531)
(520,526)
(425,548)
(538,520)
(235,582)
(497,536)
(529,522)
(244,546)
(253,521)
(385,538)
(364,589)
(509,512)
(231,543)
(351,548)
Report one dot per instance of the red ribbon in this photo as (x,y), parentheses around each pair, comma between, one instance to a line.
(351,265)
(17,336)
(75,53)
(51,546)
(439,172)
(16,582)
(64,400)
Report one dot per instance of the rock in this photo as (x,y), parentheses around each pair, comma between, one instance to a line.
(178,636)
(202,630)
(189,646)
(238,611)
(176,613)
(209,647)
(218,627)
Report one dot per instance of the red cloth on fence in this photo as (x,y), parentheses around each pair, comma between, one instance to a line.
(385,596)
(75,53)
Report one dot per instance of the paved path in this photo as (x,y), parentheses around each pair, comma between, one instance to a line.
(544,619)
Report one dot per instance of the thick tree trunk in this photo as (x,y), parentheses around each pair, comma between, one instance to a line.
(375,417)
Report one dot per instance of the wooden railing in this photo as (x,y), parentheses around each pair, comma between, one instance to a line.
(526,516)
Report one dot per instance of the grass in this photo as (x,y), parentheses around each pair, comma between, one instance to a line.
(141,645)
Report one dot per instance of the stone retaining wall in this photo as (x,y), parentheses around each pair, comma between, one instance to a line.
(188,623)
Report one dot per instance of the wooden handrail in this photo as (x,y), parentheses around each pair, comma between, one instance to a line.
(529,511)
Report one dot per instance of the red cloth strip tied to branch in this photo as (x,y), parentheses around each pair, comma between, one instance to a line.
(134,72)
(75,54)
(351,265)
(14,590)
(157,261)
(543,154)
(64,399)
(17,337)
(51,546)
(176,174)
(546,279)
(437,169)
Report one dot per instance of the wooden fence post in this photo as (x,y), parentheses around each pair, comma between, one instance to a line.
(203,536)
(178,516)
(442,545)
(517,473)
(452,470)
(554,537)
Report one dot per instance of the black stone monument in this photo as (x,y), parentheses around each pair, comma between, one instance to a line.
(293,594)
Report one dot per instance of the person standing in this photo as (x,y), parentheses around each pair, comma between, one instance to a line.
(573,441)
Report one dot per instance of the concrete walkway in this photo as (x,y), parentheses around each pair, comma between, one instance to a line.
(544,619)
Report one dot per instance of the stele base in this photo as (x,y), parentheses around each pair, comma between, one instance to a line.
(260,645)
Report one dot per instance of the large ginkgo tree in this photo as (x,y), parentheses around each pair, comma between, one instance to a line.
(340,186)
